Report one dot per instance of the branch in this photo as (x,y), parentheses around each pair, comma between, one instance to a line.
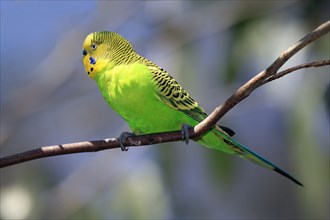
(263,77)
(89,146)
(295,68)
(258,80)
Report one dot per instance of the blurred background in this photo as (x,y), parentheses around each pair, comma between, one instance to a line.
(211,48)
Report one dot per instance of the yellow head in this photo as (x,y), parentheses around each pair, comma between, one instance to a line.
(105,49)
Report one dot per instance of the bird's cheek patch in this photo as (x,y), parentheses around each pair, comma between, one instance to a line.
(92,61)
(89,63)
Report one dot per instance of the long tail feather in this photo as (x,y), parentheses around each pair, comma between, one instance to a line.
(253,157)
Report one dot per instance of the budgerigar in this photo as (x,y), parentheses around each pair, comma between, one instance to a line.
(148,98)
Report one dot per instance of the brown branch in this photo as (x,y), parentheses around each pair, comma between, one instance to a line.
(89,146)
(295,68)
(198,130)
(258,80)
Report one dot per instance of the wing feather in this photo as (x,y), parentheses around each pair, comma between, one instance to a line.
(172,94)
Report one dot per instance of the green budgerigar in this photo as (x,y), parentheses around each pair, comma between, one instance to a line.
(149,99)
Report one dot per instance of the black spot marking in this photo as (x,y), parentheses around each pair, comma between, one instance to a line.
(190,101)
(160,80)
(162,83)
(162,89)
(87,73)
(184,104)
(176,95)
(169,92)
(92,69)
(227,142)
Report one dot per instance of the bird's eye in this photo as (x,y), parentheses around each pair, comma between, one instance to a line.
(93,46)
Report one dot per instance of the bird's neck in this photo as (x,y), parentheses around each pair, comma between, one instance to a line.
(123,58)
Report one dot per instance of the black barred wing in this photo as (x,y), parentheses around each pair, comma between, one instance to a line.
(172,94)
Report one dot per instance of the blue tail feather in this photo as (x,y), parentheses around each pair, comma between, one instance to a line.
(253,157)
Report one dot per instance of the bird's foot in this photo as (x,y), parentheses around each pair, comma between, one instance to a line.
(185,133)
(122,138)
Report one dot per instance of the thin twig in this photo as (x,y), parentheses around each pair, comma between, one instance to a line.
(257,81)
(295,68)
(198,130)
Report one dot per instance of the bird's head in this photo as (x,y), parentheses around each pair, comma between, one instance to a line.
(105,50)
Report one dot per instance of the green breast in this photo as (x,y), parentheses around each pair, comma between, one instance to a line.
(131,92)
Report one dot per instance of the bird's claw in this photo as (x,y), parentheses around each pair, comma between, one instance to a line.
(185,133)
(122,138)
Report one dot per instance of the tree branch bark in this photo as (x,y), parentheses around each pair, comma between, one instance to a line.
(265,76)
(295,68)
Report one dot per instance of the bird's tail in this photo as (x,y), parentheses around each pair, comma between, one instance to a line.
(234,147)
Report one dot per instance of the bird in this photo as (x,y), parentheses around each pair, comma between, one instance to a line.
(149,99)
